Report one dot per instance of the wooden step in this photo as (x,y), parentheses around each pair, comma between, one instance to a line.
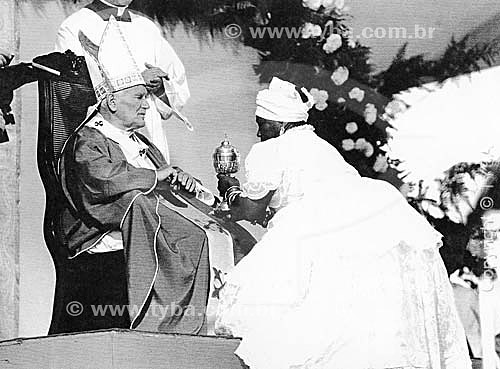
(120,349)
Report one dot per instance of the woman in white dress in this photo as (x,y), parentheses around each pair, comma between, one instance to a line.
(348,275)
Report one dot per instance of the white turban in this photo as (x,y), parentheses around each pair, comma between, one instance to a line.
(282,102)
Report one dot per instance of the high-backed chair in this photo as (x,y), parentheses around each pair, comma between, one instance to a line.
(63,103)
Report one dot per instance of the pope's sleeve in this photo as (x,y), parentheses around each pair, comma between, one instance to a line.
(103,178)
(176,87)
(263,171)
(67,39)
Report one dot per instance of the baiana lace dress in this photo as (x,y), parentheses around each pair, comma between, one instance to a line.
(347,276)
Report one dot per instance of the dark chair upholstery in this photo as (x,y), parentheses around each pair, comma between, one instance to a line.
(63,104)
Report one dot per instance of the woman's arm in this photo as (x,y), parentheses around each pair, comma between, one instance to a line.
(243,208)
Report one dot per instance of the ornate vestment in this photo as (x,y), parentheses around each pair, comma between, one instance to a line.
(165,239)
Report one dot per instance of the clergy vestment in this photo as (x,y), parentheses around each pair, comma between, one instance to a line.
(166,252)
(146,44)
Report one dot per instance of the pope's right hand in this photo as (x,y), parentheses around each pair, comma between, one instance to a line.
(167,172)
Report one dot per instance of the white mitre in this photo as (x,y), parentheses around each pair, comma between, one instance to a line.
(111,65)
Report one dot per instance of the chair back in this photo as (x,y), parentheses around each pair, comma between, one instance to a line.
(63,104)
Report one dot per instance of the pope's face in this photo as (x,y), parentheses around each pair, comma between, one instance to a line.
(131,106)
(267,129)
(120,2)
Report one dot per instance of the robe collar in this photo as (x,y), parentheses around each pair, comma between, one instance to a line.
(105,11)
(131,145)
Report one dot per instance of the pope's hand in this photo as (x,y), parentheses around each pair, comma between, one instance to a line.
(186,180)
(167,172)
(176,177)
(153,77)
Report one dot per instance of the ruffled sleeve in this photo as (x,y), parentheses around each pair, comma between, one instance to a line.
(263,170)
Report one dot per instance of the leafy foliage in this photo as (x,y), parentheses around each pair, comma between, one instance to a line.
(458,58)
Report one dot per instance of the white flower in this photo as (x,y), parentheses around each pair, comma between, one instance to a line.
(370,113)
(351,127)
(335,5)
(307,30)
(333,42)
(316,31)
(380,165)
(357,94)
(321,106)
(311,30)
(360,144)
(314,92)
(351,43)
(322,95)
(348,144)
(311,4)
(340,75)
(320,98)
(368,150)
(341,100)
(394,107)
(366,147)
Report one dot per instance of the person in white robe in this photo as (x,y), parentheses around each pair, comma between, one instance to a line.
(348,274)
(161,68)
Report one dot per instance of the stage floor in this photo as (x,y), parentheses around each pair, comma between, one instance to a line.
(120,348)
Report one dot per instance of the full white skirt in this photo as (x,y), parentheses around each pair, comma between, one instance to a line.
(346,282)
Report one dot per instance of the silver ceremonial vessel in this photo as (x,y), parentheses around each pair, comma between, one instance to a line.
(226,160)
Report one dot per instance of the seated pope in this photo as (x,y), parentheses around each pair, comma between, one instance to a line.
(124,193)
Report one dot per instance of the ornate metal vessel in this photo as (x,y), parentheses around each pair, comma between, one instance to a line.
(226,158)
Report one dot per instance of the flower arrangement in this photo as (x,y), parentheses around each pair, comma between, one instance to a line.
(325,59)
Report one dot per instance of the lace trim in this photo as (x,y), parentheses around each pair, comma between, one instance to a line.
(430,336)
(228,297)
(256,191)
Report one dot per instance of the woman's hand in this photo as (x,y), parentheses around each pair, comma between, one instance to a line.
(225,182)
